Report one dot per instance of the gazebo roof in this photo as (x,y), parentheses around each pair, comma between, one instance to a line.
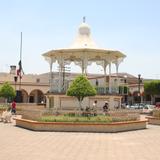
(84,45)
(91,53)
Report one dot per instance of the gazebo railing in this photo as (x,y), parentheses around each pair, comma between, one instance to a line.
(100,90)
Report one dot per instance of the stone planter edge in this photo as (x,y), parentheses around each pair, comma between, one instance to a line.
(81,127)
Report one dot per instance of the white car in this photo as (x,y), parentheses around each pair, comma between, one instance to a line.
(137,106)
(148,109)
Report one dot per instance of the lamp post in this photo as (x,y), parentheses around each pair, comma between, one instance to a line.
(15,81)
(139,89)
(97,83)
(125,90)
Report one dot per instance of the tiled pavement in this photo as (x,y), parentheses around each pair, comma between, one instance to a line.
(21,144)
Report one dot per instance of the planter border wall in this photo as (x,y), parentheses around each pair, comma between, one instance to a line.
(153,120)
(81,127)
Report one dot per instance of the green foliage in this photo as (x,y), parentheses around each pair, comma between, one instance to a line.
(7,91)
(156,113)
(64,118)
(152,87)
(81,88)
(3,107)
(91,119)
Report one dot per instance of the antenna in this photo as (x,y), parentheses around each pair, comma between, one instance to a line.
(84,19)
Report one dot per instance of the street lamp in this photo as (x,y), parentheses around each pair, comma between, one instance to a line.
(125,89)
(139,89)
(97,83)
(15,81)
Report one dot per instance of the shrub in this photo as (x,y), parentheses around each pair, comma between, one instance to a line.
(90,119)
(156,113)
(70,114)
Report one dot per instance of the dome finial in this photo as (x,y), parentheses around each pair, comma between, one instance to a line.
(84,19)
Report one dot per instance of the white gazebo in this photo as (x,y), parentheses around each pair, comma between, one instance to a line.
(82,52)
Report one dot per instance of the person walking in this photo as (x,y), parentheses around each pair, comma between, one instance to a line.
(94,108)
(105,107)
(13,107)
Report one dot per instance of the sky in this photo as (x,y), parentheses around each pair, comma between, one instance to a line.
(130,26)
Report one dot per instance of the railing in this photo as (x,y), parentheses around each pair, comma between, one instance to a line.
(100,90)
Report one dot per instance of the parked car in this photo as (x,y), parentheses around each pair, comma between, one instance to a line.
(137,106)
(148,108)
(128,106)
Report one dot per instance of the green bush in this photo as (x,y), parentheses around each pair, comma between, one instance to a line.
(4,107)
(123,119)
(156,113)
(70,114)
(88,119)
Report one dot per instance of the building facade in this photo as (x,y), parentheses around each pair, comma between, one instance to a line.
(35,87)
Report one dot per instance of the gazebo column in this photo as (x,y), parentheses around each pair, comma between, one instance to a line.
(117,67)
(61,65)
(84,66)
(105,74)
(117,63)
(110,87)
(51,76)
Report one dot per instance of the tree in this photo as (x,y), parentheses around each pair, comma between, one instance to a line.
(152,88)
(7,91)
(81,88)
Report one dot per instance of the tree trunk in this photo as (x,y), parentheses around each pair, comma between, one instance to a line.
(80,106)
(152,99)
(6,101)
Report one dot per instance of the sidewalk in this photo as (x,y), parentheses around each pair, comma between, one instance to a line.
(21,144)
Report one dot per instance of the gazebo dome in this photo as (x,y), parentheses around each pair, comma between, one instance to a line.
(83,38)
(84,29)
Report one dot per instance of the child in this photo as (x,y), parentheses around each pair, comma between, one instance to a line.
(105,107)
(13,107)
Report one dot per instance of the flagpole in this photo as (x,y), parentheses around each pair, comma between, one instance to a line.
(20,61)
(21,48)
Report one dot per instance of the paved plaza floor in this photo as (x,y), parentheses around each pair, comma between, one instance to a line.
(21,144)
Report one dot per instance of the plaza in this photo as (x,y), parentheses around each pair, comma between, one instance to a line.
(18,143)
(79,80)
